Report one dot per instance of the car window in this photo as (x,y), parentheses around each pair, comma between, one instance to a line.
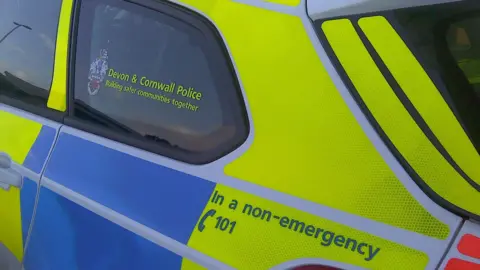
(464,43)
(159,76)
(28,31)
(446,41)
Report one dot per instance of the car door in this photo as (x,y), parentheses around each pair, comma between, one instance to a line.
(28,127)
(152,97)
(438,46)
(25,143)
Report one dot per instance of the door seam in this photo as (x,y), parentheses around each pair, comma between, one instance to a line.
(37,195)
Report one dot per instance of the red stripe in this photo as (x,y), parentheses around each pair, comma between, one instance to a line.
(456,264)
(470,245)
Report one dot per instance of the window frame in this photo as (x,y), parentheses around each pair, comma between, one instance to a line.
(216,47)
(45,111)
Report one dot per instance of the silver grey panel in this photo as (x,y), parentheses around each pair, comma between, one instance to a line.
(8,261)
(322,9)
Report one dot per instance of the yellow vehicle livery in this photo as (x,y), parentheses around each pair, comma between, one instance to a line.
(239,134)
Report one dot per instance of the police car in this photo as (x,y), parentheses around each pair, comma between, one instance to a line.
(239,134)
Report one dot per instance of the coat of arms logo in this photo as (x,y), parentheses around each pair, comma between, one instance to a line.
(98,70)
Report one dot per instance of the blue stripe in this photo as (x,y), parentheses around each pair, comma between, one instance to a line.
(34,161)
(163,199)
(39,152)
(27,202)
(68,236)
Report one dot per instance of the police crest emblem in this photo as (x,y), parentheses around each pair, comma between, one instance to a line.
(98,70)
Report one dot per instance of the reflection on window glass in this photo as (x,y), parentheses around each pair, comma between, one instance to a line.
(463,39)
(464,43)
(446,40)
(152,73)
(172,75)
(28,30)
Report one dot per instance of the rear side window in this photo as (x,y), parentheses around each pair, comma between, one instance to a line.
(463,37)
(28,31)
(446,38)
(159,75)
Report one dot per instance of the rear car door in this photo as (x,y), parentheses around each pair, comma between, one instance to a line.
(152,100)
(28,127)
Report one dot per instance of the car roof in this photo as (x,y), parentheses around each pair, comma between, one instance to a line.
(322,9)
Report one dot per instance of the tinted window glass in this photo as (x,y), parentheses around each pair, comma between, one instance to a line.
(464,43)
(446,40)
(28,30)
(158,76)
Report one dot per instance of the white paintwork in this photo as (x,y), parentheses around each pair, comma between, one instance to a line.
(322,9)
(28,115)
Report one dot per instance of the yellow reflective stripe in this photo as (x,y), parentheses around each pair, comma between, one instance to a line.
(58,92)
(259,240)
(17,137)
(11,221)
(285,2)
(307,142)
(394,119)
(423,93)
